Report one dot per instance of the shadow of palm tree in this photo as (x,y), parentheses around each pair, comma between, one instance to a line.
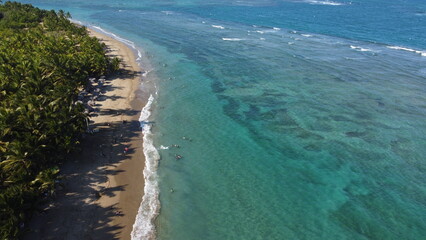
(115,112)
(76,212)
(126,73)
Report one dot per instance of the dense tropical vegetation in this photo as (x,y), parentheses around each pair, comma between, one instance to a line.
(45,61)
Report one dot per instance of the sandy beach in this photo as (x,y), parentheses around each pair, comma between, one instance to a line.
(101,186)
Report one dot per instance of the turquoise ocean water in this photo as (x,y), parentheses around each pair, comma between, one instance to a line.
(295,119)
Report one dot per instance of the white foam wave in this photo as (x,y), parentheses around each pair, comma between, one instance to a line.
(139,56)
(144,227)
(167,12)
(273,30)
(330,3)
(361,49)
(164,147)
(263,39)
(218,26)
(232,39)
(306,35)
(145,73)
(422,53)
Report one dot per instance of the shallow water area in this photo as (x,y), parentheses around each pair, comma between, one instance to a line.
(291,119)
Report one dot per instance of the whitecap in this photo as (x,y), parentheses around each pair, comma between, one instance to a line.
(232,39)
(422,53)
(262,39)
(361,49)
(145,73)
(330,3)
(164,147)
(167,12)
(139,56)
(218,26)
(146,112)
(275,28)
(144,227)
(306,35)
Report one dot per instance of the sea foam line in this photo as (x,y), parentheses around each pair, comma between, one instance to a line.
(273,30)
(218,26)
(232,39)
(330,3)
(144,227)
(139,56)
(361,49)
(422,53)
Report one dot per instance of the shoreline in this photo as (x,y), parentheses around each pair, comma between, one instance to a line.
(130,199)
(101,187)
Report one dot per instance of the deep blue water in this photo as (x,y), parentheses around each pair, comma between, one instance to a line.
(295,119)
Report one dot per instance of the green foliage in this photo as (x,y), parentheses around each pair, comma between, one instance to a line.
(45,180)
(44,61)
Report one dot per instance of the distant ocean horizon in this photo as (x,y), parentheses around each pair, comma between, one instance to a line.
(292,119)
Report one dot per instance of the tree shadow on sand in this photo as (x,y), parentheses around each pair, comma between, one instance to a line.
(126,73)
(77,211)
